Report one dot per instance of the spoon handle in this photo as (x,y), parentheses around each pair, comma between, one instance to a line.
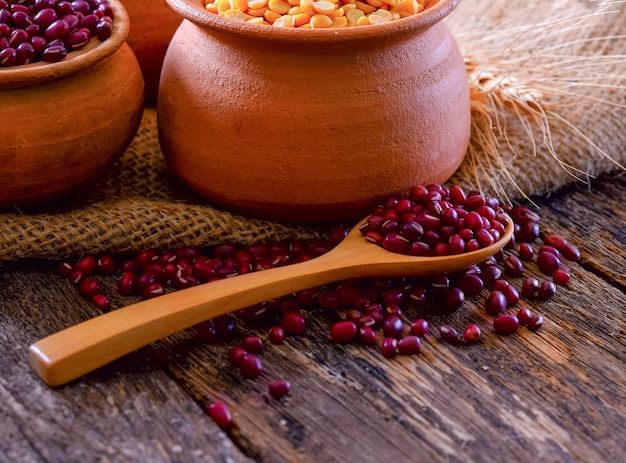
(80,349)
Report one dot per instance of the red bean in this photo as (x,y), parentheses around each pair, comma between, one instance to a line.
(397,243)
(276,335)
(449,334)
(530,286)
(522,215)
(87,265)
(526,251)
(252,344)
(505,323)
(454,299)
(328,300)
(89,288)
(236,354)
(66,269)
(535,323)
(548,262)
(556,241)
(393,327)
(220,414)
(471,285)
(513,266)
(409,345)
(472,333)
(225,326)
(511,294)
(561,277)
(367,336)
(153,290)
(420,327)
(7,57)
(101,302)
(279,388)
(495,303)
(106,265)
(524,315)
(250,366)
(529,232)
(293,323)
(546,290)
(571,252)
(343,331)
(389,347)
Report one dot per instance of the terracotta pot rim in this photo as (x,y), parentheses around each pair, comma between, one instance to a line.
(194,11)
(95,51)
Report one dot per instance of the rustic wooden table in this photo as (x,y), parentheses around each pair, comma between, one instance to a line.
(555,395)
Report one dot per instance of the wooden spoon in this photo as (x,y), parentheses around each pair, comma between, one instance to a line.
(75,351)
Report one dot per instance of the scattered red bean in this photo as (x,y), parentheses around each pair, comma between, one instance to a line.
(89,288)
(293,323)
(495,303)
(409,345)
(513,266)
(546,290)
(343,331)
(279,388)
(252,344)
(530,286)
(236,354)
(367,336)
(561,277)
(250,366)
(389,347)
(571,252)
(505,323)
(472,333)
(87,265)
(449,334)
(220,414)
(548,262)
(393,327)
(535,323)
(420,327)
(101,302)
(276,335)
(106,265)
(524,315)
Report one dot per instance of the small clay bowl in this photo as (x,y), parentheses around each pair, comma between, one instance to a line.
(312,125)
(64,123)
(152,25)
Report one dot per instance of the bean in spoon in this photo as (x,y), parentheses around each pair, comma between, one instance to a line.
(80,349)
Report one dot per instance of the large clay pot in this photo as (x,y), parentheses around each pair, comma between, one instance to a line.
(312,124)
(152,25)
(65,122)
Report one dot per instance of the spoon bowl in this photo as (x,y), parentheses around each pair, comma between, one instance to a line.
(80,349)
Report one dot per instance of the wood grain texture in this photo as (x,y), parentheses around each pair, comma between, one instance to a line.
(557,395)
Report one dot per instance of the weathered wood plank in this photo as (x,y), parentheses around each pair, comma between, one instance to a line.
(129,411)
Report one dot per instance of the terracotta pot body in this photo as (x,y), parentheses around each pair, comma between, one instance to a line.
(152,25)
(65,122)
(312,125)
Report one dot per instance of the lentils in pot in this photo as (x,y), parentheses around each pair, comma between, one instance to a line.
(315,14)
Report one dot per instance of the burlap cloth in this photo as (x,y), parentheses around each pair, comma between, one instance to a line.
(550,100)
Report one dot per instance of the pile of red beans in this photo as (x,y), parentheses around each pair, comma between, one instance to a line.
(46,30)
(392,315)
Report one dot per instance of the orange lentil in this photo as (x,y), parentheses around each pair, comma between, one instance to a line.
(315,13)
